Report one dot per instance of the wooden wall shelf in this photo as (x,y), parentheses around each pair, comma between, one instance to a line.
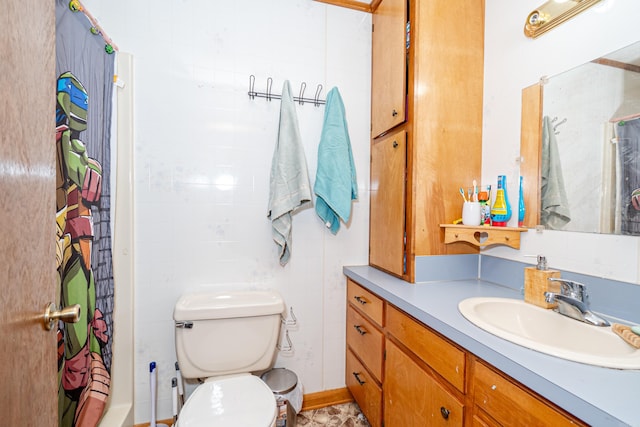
(483,236)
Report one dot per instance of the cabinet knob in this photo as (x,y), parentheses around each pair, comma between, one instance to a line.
(395,113)
(395,144)
(444,412)
(360,330)
(356,375)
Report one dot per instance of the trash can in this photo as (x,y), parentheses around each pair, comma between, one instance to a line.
(284,385)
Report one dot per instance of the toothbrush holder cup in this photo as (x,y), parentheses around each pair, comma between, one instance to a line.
(471,213)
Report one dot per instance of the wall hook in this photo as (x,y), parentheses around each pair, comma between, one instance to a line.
(303,86)
(269,85)
(252,82)
(316,99)
(287,349)
(558,124)
(289,322)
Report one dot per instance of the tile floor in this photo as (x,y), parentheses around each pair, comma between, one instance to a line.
(344,415)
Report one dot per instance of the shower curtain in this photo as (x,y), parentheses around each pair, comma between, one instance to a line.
(83,243)
(629,176)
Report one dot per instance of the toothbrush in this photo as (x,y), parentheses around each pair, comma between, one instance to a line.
(462,194)
(475,190)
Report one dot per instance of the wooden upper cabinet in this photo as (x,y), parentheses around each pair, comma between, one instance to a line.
(388,74)
(446,78)
(432,93)
(387,202)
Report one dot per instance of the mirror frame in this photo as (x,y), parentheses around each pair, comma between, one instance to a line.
(531,153)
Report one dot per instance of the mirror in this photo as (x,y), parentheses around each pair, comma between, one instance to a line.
(583,127)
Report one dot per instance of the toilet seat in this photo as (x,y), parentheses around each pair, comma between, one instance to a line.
(241,400)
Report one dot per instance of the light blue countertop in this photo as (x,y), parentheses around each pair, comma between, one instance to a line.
(598,396)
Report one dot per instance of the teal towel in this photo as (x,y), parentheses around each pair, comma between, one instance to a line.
(289,186)
(336,184)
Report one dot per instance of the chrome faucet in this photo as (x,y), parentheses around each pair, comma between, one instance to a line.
(573,301)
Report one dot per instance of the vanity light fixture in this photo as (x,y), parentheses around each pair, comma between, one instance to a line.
(552,14)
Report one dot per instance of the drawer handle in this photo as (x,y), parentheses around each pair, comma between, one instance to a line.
(395,113)
(360,300)
(357,376)
(444,412)
(360,330)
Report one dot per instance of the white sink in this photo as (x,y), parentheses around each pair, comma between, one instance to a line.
(549,332)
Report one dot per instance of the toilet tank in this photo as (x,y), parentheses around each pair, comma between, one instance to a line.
(226,332)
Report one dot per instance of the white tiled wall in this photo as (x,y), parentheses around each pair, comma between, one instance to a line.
(202,160)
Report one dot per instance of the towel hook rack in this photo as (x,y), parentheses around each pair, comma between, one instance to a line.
(269,96)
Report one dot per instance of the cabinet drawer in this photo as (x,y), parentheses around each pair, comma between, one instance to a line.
(364,389)
(365,341)
(413,398)
(509,404)
(368,303)
(437,352)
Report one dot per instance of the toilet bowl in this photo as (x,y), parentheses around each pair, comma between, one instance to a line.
(242,400)
(222,338)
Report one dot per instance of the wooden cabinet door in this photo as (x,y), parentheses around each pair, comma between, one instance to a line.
(388,73)
(387,202)
(414,398)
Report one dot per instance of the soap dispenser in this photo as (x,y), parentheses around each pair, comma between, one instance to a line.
(536,283)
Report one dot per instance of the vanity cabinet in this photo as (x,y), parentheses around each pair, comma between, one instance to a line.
(404,373)
(439,79)
(365,351)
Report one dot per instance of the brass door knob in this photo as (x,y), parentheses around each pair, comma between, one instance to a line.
(70,314)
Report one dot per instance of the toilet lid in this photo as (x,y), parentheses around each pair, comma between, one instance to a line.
(243,400)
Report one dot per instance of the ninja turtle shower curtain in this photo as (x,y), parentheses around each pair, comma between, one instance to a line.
(83,120)
(629,175)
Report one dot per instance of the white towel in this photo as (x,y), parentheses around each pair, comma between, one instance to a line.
(289,184)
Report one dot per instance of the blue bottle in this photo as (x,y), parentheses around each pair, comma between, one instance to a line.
(501,209)
(521,209)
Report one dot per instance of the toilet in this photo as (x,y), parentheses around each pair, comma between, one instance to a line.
(222,338)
